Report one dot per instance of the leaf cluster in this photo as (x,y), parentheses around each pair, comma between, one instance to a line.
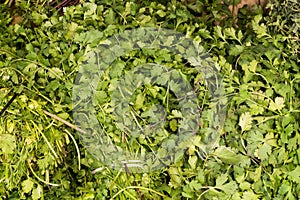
(257,155)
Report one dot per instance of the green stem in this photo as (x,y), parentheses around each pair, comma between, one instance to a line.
(47,183)
(138,187)
(76,146)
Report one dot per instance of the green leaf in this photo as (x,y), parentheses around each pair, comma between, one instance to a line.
(8,143)
(176,114)
(195,185)
(90,37)
(193,161)
(250,195)
(27,186)
(161,13)
(100,97)
(218,31)
(295,175)
(227,155)
(153,91)
(228,188)
(277,105)
(259,29)
(264,151)
(284,188)
(236,50)
(257,174)
(245,121)
(245,186)
(55,72)
(139,102)
(173,125)
(37,192)
(221,180)
(252,66)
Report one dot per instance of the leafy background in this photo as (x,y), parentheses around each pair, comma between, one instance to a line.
(258,154)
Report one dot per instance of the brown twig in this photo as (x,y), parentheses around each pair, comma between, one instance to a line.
(65,122)
(64,4)
(8,104)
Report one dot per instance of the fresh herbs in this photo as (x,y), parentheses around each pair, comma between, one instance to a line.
(256,155)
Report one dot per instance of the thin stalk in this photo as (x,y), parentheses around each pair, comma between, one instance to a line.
(76,146)
(137,187)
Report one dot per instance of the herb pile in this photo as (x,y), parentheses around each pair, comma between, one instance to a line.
(257,155)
